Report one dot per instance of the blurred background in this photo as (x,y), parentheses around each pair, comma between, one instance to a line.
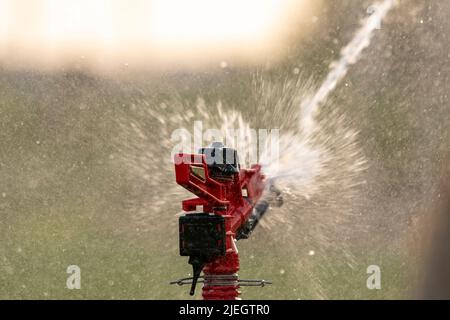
(91,91)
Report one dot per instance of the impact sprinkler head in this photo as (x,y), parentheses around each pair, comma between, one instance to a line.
(231,208)
(223,163)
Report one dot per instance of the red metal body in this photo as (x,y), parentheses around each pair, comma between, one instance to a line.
(233,199)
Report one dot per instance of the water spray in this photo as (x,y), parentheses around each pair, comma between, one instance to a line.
(350,54)
(310,105)
(233,200)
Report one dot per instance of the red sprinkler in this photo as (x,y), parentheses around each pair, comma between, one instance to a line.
(231,203)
